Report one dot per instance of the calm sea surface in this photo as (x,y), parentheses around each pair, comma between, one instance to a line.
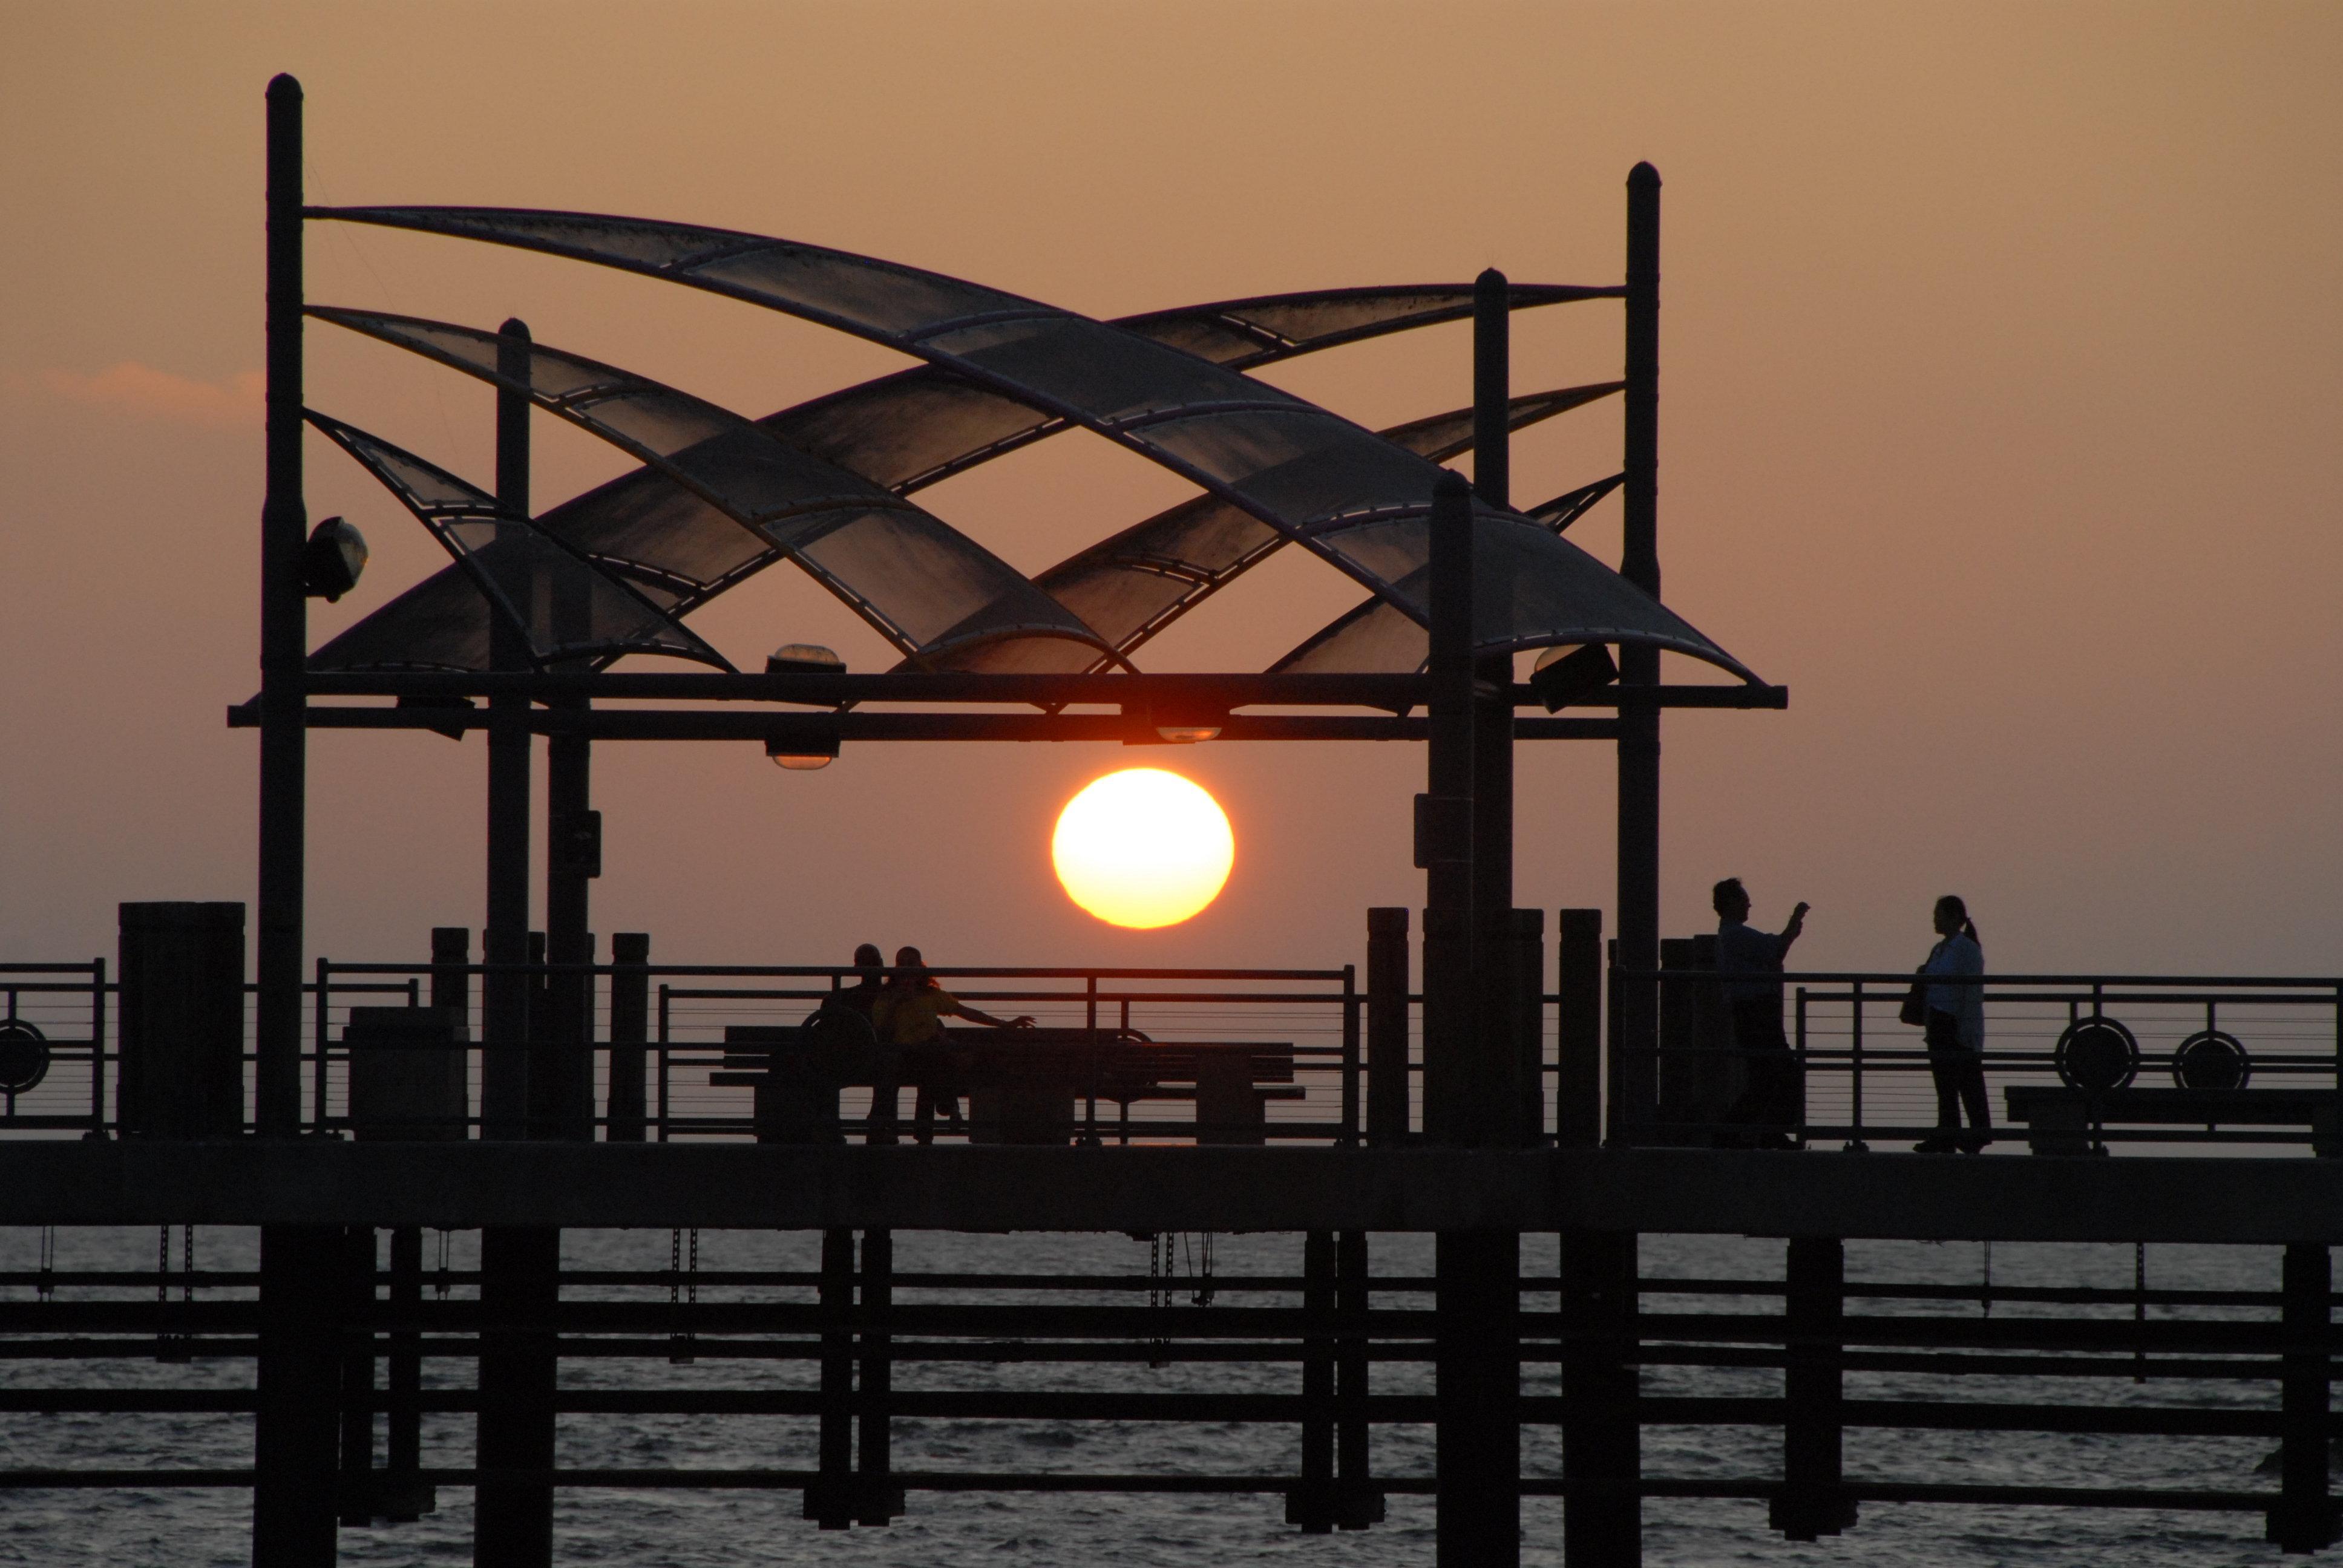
(124,1529)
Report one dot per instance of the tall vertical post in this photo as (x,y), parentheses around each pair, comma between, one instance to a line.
(284,642)
(294,1447)
(1387,1014)
(573,858)
(1498,1088)
(1477,1468)
(504,1074)
(1444,826)
(2304,1518)
(1636,1031)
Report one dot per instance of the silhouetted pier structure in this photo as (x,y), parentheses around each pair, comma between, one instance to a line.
(1508,1090)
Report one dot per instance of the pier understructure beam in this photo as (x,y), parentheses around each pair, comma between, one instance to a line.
(2305,1518)
(1602,1457)
(1813,1501)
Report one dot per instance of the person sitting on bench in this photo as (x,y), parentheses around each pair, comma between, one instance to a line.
(912,1008)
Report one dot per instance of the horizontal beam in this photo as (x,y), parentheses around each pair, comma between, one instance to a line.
(2036,1198)
(1209,692)
(854,724)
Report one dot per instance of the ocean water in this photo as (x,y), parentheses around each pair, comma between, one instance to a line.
(685,1529)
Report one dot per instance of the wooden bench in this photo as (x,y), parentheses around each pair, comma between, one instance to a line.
(1025,1085)
(2061,1120)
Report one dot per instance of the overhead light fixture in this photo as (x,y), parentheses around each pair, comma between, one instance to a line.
(804,658)
(1571,673)
(332,559)
(1176,724)
(797,743)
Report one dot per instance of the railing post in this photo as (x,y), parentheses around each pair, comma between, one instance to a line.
(1578,1028)
(1350,1138)
(182,1021)
(1529,1009)
(630,956)
(1387,1017)
(1855,1143)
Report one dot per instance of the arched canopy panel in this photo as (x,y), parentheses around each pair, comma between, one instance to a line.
(923,585)
(1375,637)
(565,606)
(1130,587)
(918,426)
(1356,500)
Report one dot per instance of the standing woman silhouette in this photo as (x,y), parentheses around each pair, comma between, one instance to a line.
(1955,1034)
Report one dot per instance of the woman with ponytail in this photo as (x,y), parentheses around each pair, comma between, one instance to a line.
(1955,1033)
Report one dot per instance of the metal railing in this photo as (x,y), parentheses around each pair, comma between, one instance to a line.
(2070,1064)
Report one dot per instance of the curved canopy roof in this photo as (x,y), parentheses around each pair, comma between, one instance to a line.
(565,606)
(923,585)
(1375,637)
(1133,585)
(1360,502)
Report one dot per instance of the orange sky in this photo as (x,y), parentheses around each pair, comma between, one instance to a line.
(2002,372)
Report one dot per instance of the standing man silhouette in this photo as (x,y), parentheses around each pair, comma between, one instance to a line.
(1775,1100)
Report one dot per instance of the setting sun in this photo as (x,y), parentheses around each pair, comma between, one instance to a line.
(1143,848)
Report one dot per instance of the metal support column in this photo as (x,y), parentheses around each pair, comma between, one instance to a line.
(284,644)
(2305,1517)
(504,1074)
(1813,1501)
(521,1292)
(879,1500)
(299,1377)
(1498,1054)
(1601,1458)
(573,859)
(1578,1028)
(1387,1015)
(1636,1025)
(1444,829)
